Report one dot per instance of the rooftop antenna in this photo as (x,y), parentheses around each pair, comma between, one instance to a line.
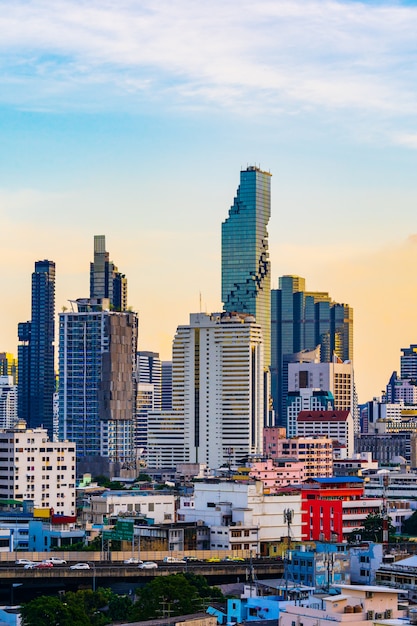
(200,301)
(288,518)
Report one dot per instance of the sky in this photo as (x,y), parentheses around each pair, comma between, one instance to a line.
(133,119)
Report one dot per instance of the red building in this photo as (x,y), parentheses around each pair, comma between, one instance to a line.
(331,508)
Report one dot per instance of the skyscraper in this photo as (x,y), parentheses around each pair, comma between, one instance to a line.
(97,389)
(246,269)
(301,322)
(36,384)
(217,410)
(105,279)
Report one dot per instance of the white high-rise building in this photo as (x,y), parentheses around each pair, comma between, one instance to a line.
(8,402)
(34,468)
(217,394)
(335,377)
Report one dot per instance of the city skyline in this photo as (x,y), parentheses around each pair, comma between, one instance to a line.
(134,122)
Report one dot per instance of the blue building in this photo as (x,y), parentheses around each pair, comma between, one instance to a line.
(328,564)
(300,322)
(36,380)
(246,269)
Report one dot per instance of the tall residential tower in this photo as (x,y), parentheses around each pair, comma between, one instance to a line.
(36,384)
(105,279)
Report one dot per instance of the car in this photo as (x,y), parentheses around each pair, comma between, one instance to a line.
(31,565)
(43,565)
(213,559)
(234,559)
(148,565)
(172,559)
(55,561)
(132,561)
(191,559)
(80,566)
(23,562)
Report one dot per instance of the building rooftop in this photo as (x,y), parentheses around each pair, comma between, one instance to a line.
(323,416)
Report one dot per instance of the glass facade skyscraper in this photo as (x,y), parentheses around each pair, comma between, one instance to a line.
(301,321)
(246,269)
(105,279)
(36,385)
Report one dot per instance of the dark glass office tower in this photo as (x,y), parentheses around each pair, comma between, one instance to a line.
(246,269)
(302,321)
(105,279)
(36,385)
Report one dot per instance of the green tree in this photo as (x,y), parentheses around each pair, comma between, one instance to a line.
(83,608)
(119,607)
(203,588)
(410,525)
(166,596)
(372,530)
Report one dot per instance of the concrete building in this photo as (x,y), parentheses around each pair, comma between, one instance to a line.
(400,575)
(34,468)
(242,517)
(97,388)
(332,508)
(157,507)
(8,402)
(365,559)
(315,452)
(277,473)
(306,400)
(328,564)
(335,377)
(361,605)
(8,366)
(218,394)
(337,425)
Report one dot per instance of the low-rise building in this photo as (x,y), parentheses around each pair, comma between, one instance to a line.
(156,506)
(277,473)
(241,516)
(334,507)
(401,575)
(315,452)
(359,605)
(337,425)
(34,468)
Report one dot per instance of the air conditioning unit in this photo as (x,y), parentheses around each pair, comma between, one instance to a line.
(388,614)
(369,615)
(379,615)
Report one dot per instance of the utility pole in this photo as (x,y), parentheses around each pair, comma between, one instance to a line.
(288,518)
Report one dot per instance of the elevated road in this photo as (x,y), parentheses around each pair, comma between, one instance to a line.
(105,574)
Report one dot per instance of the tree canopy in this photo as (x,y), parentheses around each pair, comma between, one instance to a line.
(372,530)
(164,596)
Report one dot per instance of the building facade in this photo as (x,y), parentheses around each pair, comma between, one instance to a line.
(97,388)
(105,279)
(301,321)
(8,402)
(218,394)
(337,425)
(37,469)
(314,451)
(246,268)
(36,365)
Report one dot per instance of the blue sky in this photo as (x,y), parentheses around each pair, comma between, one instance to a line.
(133,119)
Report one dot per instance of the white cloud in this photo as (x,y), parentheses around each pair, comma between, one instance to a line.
(269,55)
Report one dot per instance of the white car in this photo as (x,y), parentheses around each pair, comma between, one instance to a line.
(148,565)
(55,561)
(80,566)
(23,562)
(132,561)
(31,565)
